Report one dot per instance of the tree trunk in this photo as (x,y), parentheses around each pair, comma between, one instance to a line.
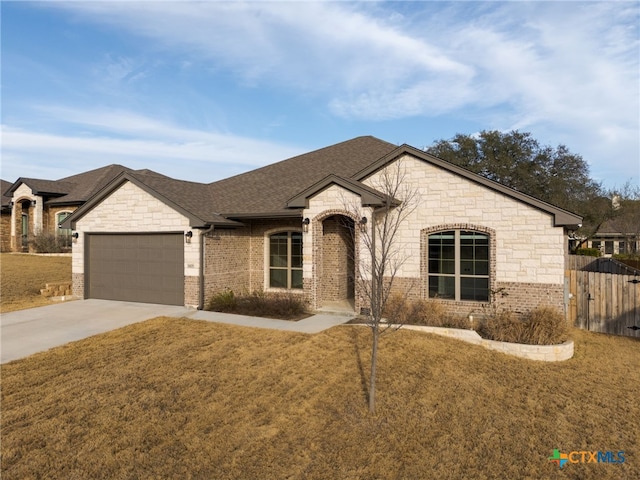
(372,379)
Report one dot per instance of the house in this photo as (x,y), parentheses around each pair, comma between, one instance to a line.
(612,239)
(291,226)
(5,217)
(33,206)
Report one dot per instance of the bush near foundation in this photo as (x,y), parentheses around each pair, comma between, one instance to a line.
(422,312)
(284,306)
(541,326)
(49,243)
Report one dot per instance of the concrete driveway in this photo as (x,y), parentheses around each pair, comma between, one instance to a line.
(26,332)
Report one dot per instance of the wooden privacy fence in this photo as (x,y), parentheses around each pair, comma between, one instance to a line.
(602,265)
(604,302)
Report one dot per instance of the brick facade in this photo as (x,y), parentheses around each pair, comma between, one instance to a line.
(337,259)
(5,232)
(235,259)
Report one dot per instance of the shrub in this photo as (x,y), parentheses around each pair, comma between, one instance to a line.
(397,309)
(541,326)
(422,312)
(223,302)
(49,243)
(589,252)
(286,306)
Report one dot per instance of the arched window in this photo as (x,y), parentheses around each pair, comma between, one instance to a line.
(63,234)
(285,260)
(458,265)
(60,216)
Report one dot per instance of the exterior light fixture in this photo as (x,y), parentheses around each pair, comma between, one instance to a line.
(187,236)
(305,224)
(33,203)
(363,223)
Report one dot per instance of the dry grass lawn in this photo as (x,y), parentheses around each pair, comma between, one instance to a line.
(24,275)
(177,398)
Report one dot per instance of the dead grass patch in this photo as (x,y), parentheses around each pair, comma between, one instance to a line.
(176,398)
(23,276)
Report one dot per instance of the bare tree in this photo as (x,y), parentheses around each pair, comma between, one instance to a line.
(380,254)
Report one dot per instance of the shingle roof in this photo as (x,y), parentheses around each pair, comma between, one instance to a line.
(75,189)
(265,192)
(4,188)
(267,189)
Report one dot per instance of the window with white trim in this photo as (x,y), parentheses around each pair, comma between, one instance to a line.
(458,265)
(285,260)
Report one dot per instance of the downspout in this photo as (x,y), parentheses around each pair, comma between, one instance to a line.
(203,234)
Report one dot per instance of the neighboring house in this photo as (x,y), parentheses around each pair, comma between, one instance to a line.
(32,206)
(610,240)
(286,228)
(5,217)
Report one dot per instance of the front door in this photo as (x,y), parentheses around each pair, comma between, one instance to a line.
(25,231)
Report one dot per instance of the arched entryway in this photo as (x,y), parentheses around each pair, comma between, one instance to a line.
(24,229)
(338,263)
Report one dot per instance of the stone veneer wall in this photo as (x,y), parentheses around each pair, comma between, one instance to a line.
(526,249)
(131,209)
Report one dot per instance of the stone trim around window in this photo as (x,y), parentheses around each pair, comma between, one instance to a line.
(424,266)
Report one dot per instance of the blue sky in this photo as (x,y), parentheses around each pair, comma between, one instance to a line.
(201,91)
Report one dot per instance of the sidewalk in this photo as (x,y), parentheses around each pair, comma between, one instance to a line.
(313,324)
(25,332)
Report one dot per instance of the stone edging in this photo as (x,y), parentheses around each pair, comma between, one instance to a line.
(543,353)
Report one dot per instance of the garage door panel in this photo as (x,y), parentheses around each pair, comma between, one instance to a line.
(145,268)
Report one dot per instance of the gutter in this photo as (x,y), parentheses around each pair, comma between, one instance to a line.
(203,234)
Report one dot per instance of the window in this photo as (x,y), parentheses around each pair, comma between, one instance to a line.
(285,260)
(458,265)
(608,247)
(59,219)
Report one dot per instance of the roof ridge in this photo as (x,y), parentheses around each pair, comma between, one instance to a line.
(295,157)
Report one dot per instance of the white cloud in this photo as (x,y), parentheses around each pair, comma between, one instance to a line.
(568,71)
(318,47)
(138,142)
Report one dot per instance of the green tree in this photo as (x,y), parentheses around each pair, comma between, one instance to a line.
(517,160)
